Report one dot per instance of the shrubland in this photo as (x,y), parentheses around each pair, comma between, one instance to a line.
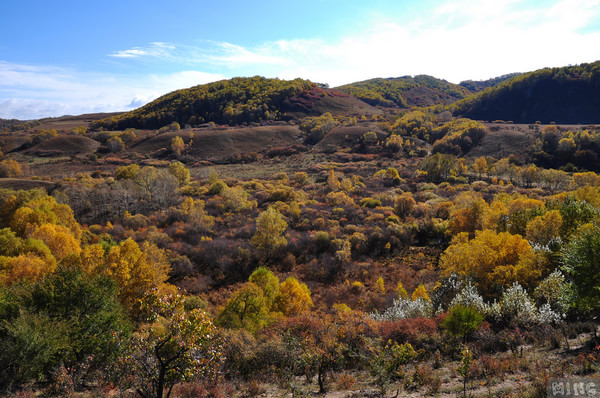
(394,262)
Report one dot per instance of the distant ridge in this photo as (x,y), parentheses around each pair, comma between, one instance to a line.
(480,85)
(406,91)
(563,95)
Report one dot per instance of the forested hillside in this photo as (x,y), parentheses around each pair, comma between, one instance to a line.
(480,85)
(406,91)
(562,95)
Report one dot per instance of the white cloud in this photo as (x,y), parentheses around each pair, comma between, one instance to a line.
(32,92)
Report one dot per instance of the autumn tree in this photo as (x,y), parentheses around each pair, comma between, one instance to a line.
(10,168)
(196,216)
(26,266)
(467,214)
(319,344)
(543,229)
(235,199)
(115,144)
(315,128)
(179,171)
(127,172)
(404,204)
(177,145)
(480,166)
(43,210)
(494,260)
(270,227)
(437,167)
(294,298)
(137,270)
(58,238)
(420,293)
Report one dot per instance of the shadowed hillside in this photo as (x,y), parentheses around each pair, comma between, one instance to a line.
(561,95)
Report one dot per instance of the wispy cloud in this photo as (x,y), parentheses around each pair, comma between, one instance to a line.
(158,50)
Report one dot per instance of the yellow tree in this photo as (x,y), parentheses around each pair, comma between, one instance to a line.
(137,270)
(420,293)
(177,145)
(24,266)
(59,239)
(179,171)
(193,209)
(294,298)
(247,308)
(543,228)
(480,166)
(44,210)
(270,227)
(467,214)
(268,282)
(494,260)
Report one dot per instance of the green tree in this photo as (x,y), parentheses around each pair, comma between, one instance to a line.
(581,265)
(268,282)
(462,321)
(68,318)
(247,308)
(173,346)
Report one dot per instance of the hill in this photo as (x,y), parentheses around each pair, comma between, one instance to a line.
(562,95)
(406,91)
(222,144)
(239,100)
(63,145)
(480,85)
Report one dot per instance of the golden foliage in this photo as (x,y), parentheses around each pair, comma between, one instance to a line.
(59,239)
(137,270)
(543,228)
(494,260)
(420,293)
(294,298)
(24,266)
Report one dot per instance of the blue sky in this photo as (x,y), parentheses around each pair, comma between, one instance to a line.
(72,57)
